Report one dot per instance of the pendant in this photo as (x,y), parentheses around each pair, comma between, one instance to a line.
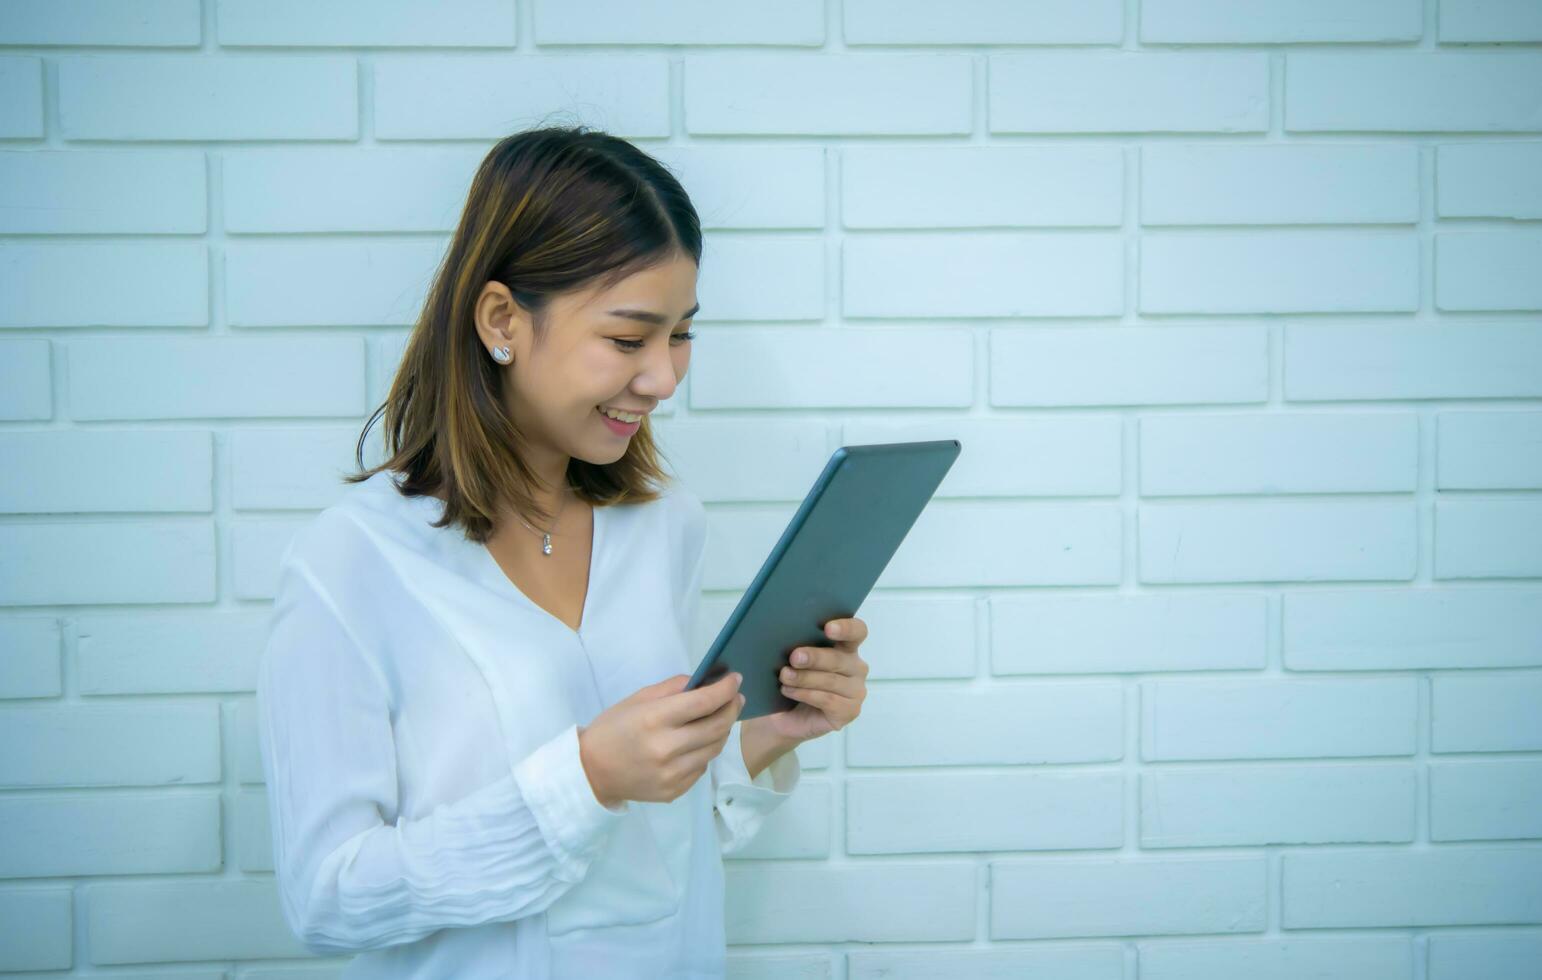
(546,544)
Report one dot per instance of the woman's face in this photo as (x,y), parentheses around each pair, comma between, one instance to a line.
(591,357)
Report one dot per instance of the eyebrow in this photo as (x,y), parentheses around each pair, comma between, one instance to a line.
(657,319)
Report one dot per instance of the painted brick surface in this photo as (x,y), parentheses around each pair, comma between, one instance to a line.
(1219,651)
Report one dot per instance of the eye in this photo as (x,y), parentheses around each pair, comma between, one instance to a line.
(632,345)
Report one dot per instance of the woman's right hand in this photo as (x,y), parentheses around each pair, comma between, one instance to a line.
(654,745)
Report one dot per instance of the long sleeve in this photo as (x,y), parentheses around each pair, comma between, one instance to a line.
(740,805)
(349,881)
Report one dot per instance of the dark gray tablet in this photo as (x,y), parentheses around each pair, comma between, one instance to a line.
(833,550)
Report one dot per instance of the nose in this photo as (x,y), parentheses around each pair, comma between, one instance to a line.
(658,379)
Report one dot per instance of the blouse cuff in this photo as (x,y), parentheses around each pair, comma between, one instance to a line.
(744,803)
(557,790)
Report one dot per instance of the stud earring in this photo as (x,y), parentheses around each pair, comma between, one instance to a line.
(501,355)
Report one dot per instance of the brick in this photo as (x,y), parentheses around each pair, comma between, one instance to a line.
(1081,961)
(1499,538)
(978,274)
(97,192)
(206,652)
(103,23)
(327,283)
(1489,180)
(926,902)
(1487,800)
(92,563)
(26,380)
(186,921)
(1011,812)
(1241,806)
(1129,92)
(1329,362)
(1055,366)
(36,928)
(1513,21)
(1273,718)
(477,95)
(216,377)
(1412,629)
(1280,21)
(880,94)
(359,23)
(1494,955)
(1278,184)
(1488,271)
(800,23)
(1003,724)
(344,189)
(21,97)
(142,284)
(1279,452)
(1486,712)
(111,745)
(1121,634)
(119,834)
(1489,451)
(1353,958)
(1121,897)
(982,22)
(765,367)
(1441,91)
(1402,888)
(998,186)
(752,186)
(207,98)
(30,666)
(104,471)
(1294,271)
(1272,540)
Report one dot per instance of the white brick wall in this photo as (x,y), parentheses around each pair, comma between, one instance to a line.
(1219,653)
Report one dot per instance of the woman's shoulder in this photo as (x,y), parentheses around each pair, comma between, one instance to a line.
(683,504)
(360,513)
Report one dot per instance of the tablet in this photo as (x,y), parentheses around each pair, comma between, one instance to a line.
(825,563)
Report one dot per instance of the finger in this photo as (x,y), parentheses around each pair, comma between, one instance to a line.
(834,705)
(836,661)
(687,706)
(820,680)
(711,729)
(848,633)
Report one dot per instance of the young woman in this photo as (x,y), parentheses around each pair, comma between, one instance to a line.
(481,760)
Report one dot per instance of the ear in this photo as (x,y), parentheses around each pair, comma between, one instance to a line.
(500,322)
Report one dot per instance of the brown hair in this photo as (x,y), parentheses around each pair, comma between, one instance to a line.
(549,210)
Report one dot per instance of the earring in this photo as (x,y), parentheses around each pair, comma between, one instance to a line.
(501,355)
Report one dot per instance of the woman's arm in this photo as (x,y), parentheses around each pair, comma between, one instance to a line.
(349,881)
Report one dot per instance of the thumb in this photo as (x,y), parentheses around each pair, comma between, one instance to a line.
(666,687)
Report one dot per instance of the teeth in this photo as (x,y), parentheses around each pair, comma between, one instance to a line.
(621,416)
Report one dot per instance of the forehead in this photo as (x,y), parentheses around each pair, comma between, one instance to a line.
(664,293)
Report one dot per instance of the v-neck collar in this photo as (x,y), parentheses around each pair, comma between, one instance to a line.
(486,567)
(490,567)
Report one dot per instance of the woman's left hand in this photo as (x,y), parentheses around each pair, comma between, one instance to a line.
(830,686)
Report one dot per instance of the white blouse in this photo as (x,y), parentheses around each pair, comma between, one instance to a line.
(418,719)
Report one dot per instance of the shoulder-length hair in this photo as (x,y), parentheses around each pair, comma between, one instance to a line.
(549,210)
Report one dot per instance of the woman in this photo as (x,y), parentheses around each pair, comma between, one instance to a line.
(481,760)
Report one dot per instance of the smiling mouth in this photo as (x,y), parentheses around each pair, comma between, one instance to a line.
(616,425)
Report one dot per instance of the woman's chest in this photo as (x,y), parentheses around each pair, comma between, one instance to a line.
(481,679)
(558,582)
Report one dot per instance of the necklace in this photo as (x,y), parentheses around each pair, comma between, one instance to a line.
(546,535)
